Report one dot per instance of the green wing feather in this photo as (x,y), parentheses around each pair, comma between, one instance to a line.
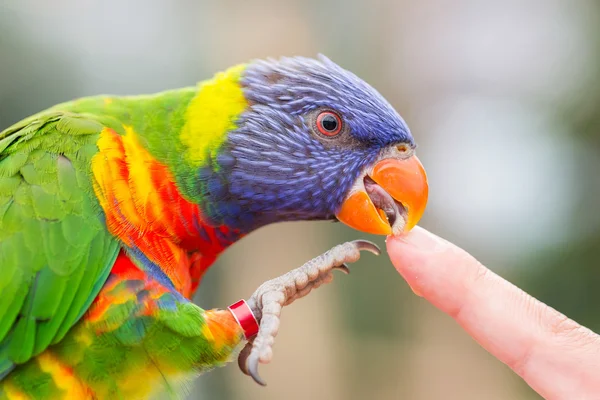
(55,251)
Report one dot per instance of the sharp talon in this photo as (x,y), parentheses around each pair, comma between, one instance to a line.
(344,268)
(367,246)
(243,358)
(252,364)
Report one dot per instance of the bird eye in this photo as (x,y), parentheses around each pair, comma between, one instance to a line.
(329,123)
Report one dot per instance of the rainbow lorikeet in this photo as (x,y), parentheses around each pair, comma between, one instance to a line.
(112,208)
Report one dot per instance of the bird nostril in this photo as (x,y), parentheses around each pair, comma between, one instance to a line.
(402,148)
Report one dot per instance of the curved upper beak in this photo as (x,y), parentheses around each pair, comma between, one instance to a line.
(402,189)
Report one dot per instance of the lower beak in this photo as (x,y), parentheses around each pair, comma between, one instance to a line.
(405,181)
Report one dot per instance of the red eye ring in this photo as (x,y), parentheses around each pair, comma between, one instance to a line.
(329,123)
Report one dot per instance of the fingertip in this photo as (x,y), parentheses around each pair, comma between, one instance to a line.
(413,248)
(433,267)
(400,251)
(409,255)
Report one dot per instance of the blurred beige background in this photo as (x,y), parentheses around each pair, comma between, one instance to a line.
(502,97)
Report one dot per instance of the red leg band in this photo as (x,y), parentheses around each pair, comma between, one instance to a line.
(244,317)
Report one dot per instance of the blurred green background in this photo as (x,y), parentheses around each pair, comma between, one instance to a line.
(502,98)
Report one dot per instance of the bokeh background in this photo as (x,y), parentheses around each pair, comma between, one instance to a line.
(502,97)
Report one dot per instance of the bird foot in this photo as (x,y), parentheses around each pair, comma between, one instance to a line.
(268,300)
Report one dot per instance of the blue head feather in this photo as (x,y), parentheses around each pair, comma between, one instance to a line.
(274,166)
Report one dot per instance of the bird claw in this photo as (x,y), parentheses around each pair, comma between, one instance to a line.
(243,357)
(344,268)
(268,300)
(365,245)
(248,363)
(253,370)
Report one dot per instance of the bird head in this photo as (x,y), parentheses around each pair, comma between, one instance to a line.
(312,141)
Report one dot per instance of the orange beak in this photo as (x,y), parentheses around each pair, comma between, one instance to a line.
(405,181)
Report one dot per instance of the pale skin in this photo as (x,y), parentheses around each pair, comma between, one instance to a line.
(556,356)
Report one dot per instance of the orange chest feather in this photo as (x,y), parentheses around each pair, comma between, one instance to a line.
(145,210)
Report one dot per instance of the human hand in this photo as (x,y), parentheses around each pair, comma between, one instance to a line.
(556,356)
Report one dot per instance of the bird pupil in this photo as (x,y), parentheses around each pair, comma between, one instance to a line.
(329,123)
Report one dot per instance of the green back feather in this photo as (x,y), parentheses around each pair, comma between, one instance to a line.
(55,251)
